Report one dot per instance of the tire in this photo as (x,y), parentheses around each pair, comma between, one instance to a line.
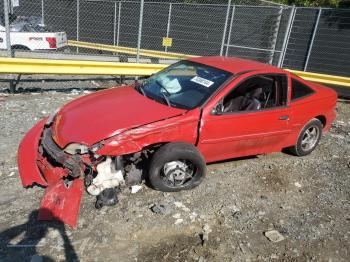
(173,161)
(300,149)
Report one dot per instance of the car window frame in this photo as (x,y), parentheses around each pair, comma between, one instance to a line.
(303,97)
(259,110)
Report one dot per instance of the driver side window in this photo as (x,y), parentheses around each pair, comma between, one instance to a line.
(257,93)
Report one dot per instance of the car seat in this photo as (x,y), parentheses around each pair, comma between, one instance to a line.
(248,102)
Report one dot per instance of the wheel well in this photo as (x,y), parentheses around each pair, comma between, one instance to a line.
(20,47)
(322,119)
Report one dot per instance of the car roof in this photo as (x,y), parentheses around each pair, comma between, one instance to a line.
(235,65)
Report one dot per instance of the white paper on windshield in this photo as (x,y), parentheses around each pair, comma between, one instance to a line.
(172,86)
(202,81)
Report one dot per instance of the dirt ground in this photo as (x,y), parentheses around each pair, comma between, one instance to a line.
(307,200)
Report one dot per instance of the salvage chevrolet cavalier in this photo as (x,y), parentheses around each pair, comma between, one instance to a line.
(166,129)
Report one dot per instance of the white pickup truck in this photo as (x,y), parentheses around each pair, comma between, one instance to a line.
(28,35)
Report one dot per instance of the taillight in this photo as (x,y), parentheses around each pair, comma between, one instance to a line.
(52,42)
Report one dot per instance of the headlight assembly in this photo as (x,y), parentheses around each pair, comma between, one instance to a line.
(75,148)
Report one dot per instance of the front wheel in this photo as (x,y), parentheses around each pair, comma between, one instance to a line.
(308,139)
(175,167)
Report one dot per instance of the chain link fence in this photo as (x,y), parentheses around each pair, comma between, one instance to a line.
(312,39)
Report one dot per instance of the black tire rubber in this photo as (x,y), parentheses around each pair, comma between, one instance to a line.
(297,148)
(171,152)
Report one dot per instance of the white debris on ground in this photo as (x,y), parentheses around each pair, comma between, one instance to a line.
(274,236)
(206,231)
(135,189)
(178,221)
(297,184)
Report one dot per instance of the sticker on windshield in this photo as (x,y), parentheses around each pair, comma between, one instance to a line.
(202,81)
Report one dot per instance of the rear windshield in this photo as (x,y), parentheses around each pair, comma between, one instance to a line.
(184,85)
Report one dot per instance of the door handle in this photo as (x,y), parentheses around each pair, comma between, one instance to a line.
(283,118)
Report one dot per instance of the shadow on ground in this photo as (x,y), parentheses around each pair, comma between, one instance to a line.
(21,242)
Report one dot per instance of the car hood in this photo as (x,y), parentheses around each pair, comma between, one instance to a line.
(94,117)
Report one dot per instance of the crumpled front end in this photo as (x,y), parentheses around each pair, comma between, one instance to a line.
(103,167)
(42,162)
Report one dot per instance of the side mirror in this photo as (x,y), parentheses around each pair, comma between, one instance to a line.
(218,109)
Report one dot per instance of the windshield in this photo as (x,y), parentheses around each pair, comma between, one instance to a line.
(185,84)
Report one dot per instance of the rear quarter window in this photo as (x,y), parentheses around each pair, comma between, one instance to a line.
(300,90)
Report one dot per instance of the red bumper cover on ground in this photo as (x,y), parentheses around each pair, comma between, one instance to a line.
(61,201)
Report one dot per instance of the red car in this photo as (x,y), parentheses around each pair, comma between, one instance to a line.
(168,127)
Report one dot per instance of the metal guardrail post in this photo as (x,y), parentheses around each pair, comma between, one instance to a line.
(7,28)
(168,25)
(312,39)
(42,12)
(140,32)
(286,36)
(225,27)
(78,14)
(230,30)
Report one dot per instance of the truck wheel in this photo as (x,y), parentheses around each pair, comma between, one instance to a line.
(175,167)
(308,139)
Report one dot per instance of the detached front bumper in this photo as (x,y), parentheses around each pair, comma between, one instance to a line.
(27,157)
(62,198)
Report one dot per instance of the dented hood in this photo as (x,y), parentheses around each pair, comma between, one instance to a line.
(94,117)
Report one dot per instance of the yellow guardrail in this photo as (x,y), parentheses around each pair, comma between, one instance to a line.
(73,67)
(128,50)
(323,78)
(77,67)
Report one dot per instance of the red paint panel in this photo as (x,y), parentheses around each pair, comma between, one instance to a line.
(61,203)
(106,113)
(243,134)
(52,174)
(182,128)
(321,103)
(27,156)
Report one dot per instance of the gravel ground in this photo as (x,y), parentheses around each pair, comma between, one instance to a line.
(227,218)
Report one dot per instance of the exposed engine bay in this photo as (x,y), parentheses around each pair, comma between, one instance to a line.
(103,176)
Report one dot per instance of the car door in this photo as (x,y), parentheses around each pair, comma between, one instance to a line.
(249,130)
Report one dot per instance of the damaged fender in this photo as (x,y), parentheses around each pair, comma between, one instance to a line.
(181,128)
